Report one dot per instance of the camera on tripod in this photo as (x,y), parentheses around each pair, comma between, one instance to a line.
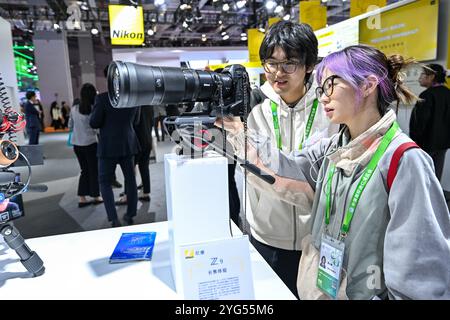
(227,94)
(223,94)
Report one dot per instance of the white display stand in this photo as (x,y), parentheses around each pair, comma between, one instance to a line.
(198,217)
(77,267)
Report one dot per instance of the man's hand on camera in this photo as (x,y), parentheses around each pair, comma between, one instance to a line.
(232,125)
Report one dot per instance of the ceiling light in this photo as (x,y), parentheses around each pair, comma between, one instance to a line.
(219,22)
(56,26)
(150,32)
(189,17)
(243,38)
(226,37)
(226,7)
(287,16)
(243,34)
(279,8)
(223,33)
(198,14)
(270,4)
(94,31)
(241,3)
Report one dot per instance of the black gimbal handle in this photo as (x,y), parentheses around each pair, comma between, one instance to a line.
(30,259)
(258,172)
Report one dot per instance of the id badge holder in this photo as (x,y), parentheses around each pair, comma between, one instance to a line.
(330,265)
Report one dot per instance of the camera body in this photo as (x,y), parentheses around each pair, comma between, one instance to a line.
(237,95)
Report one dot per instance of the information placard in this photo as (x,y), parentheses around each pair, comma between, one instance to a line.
(217,270)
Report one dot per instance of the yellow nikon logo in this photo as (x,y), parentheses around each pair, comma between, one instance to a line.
(188,254)
(126,24)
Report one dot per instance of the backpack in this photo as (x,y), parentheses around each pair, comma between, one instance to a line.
(393,166)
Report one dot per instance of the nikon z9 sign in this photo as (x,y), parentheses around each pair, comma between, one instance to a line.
(126,25)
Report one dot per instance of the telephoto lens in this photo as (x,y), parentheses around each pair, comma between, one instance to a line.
(132,85)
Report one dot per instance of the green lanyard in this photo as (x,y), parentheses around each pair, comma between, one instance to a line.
(309,123)
(367,174)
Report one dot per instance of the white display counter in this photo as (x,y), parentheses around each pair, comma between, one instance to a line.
(77,267)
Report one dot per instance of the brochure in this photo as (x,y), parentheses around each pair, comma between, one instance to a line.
(133,247)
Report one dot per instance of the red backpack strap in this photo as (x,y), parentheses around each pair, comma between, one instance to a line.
(396,159)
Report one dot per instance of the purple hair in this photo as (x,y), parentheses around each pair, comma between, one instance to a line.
(354,64)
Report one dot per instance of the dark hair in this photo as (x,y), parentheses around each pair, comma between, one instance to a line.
(355,63)
(30,94)
(437,70)
(76,101)
(296,39)
(54,103)
(87,98)
(105,70)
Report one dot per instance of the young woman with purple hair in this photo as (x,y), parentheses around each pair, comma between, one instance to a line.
(383,236)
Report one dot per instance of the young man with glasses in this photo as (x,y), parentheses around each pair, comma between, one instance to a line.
(292,118)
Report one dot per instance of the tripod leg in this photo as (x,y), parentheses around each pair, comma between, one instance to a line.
(30,259)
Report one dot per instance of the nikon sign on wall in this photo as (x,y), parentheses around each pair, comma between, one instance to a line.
(126,24)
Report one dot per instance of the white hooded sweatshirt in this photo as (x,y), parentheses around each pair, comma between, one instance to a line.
(272,221)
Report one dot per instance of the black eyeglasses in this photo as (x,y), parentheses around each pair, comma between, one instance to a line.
(327,87)
(286,66)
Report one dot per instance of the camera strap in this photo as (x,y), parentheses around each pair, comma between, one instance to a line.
(309,123)
(246,107)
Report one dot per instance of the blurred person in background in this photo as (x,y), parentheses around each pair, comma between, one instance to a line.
(84,141)
(41,115)
(429,125)
(32,114)
(55,112)
(118,144)
(65,111)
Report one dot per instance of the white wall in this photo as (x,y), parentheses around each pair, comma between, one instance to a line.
(8,68)
(52,61)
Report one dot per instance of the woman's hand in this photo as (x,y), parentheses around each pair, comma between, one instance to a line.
(232,125)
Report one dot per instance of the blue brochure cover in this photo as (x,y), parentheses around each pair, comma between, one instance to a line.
(134,246)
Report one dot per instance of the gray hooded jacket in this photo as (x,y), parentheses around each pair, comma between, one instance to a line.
(403,232)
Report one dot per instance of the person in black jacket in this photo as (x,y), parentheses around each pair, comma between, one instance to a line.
(429,125)
(118,144)
(33,125)
(41,114)
(142,159)
(144,134)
